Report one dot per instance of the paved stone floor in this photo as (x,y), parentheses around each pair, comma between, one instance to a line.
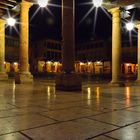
(38,112)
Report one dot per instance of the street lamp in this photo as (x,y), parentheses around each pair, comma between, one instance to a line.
(97,3)
(129,26)
(11,21)
(43,3)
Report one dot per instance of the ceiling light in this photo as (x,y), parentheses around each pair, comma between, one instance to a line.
(97,3)
(43,3)
(129,26)
(11,21)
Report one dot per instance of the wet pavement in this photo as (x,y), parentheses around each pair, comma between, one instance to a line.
(99,112)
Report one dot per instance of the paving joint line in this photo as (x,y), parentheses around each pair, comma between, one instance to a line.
(110,137)
(105,122)
(25,135)
(112,130)
(48,117)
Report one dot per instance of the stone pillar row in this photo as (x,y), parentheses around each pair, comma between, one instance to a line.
(68,80)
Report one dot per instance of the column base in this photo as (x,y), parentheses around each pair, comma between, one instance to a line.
(23,77)
(117,84)
(68,82)
(3,76)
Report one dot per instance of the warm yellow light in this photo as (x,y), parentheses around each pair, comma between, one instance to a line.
(49,62)
(43,3)
(55,63)
(98,62)
(11,21)
(89,63)
(15,63)
(81,63)
(128,64)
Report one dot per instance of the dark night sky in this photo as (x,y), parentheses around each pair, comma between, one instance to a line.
(102,28)
(45,25)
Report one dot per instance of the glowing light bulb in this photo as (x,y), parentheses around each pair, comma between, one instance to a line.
(43,3)
(130,26)
(97,3)
(11,21)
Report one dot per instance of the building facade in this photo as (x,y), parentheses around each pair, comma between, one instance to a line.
(92,57)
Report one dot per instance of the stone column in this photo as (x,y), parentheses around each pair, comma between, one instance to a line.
(24,75)
(3,75)
(68,79)
(68,34)
(138,53)
(116,45)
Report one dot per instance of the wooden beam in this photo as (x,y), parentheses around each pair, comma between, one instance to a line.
(3,7)
(9,2)
(6,4)
(13,1)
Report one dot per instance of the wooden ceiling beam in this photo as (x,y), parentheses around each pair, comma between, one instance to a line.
(6,4)
(13,1)
(3,7)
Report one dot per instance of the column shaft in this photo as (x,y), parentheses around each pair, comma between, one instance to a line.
(138,53)
(24,37)
(116,45)
(68,80)
(2,45)
(24,76)
(68,34)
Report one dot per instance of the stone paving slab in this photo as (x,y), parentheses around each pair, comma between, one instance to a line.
(70,114)
(80,129)
(18,123)
(6,107)
(129,102)
(13,136)
(59,106)
(21,111)
(39,111)
(118,118)
(135,109)
(131,132)
(105,106)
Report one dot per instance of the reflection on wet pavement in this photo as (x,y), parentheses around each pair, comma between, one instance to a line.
(37,111)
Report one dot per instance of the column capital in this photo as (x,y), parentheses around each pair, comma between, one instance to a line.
(2,22)
(115,10)
(116,14)
(26,5)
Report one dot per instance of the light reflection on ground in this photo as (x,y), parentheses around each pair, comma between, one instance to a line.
(38,110)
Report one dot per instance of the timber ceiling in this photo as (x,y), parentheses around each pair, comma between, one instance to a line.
(7,5)
(10,5)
